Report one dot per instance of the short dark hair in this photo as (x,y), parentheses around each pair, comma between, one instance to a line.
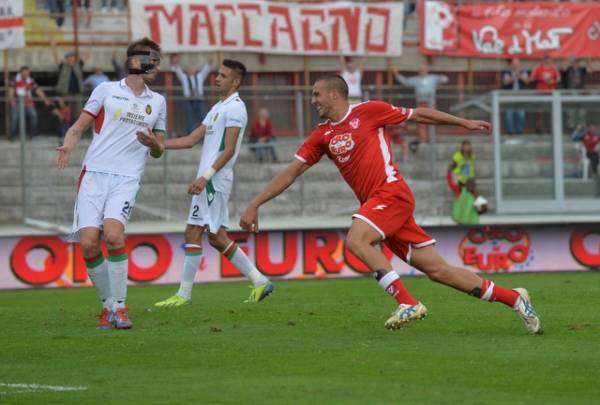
(237,67)
(466,142)
(24,67)
(335,82)
(143,44)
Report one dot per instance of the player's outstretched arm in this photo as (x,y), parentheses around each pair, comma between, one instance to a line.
(188,141)
(71,138)
(426,115)
(277,185)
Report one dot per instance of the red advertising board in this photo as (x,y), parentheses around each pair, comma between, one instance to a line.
(48,261)
(508,30)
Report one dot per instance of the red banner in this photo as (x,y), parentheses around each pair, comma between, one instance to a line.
(523,30)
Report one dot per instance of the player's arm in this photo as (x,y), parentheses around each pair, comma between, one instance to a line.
(71,138)
(231,137)
(188,141)
(277,185)
(425,115)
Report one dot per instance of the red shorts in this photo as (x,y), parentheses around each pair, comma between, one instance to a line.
(390,212)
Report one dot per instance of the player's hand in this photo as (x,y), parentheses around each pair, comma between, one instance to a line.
(249,219)
(197,186)
(477,125)
(62,156)
(147,138)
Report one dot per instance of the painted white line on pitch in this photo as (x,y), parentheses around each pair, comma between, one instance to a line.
(39,387)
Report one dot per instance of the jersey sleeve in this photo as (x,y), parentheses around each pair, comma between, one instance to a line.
(96,101)
(161,121)
(236,117)
(311,151)
(386,114)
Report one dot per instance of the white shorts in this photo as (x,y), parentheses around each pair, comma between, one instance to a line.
(101,196)
(211,213)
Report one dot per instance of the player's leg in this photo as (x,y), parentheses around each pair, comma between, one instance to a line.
(191,264)
(114,236)
(87,224)
(120,200)
(361,240)
(427,260)
(261,285)
(97,270)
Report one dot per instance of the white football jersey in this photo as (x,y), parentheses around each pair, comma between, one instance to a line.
(119,114)
(227,113)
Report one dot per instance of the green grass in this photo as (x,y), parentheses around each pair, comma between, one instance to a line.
(310,342)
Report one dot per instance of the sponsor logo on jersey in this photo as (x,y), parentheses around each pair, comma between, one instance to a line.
(148,109)
(216,116)
(379,207)
(117,115)
(120,98)
(355,123)
(341,144)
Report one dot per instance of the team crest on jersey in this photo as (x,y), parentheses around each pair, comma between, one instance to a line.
(148,109)
(355,123)
(341,144)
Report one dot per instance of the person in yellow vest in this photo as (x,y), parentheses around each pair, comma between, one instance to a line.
(468,203)
(463,163)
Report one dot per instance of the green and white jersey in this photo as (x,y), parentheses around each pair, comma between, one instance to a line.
(227,113)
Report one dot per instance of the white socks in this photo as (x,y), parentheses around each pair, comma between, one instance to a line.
(117,275)
(239,259)
(98,272)
(191,262)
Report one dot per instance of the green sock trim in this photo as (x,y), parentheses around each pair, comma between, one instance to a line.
(196,253)
(118,258)
(95,263)
(230,256)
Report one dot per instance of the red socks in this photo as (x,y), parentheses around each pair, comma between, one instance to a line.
(393,286)
(492,292)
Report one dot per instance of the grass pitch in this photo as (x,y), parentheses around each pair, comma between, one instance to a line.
(310,342)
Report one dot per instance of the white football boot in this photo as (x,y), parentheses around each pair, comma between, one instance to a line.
(404,314)
(525,310)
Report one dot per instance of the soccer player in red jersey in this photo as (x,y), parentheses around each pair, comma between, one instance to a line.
(354,138)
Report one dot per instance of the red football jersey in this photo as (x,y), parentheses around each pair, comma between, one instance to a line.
(359,146)
(546,77)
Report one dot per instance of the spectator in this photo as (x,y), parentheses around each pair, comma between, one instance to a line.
(468,204)
(546,77)
(119,68)
(590,140)
(352,74)
(70,78)
(261,133)
(62,112)
(463,163)
(572,76)
(114,4)
(514,79)
(93,80)
(56,8)
(22,88)
(192,83)
(425,85)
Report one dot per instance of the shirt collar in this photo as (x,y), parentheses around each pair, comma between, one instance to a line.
(146,92)
(228,99)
